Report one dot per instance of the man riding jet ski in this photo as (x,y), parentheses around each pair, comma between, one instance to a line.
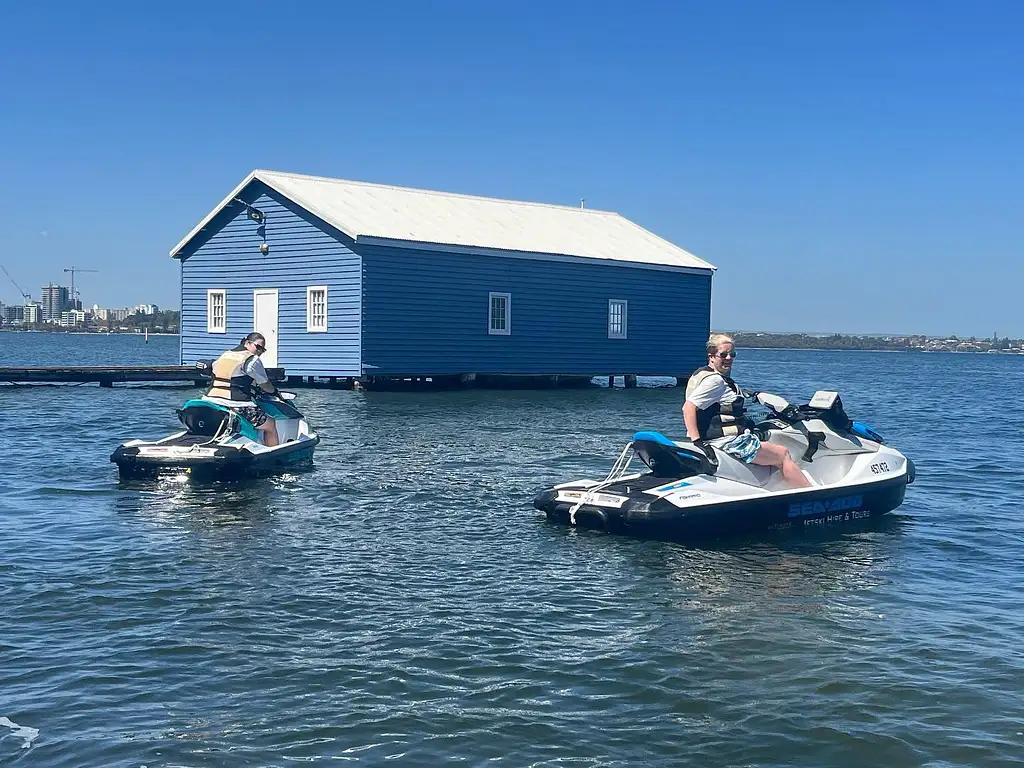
(222,432)
(714,410)
(803,466)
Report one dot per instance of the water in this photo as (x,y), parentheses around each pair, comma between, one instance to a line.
(404,603)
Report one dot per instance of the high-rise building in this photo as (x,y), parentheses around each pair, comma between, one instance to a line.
(54,301)
(17,314)
(72,318)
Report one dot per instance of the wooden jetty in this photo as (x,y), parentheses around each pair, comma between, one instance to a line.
(108,375)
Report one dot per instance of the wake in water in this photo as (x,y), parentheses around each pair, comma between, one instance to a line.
(26,733)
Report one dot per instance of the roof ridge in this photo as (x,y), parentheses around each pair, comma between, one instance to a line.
(507,201)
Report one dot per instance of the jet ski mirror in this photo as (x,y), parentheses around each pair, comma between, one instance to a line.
(768,400)
(205,367)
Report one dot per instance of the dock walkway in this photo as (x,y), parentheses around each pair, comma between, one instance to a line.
(108,375)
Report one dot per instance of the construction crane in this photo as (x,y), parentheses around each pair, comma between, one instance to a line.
(74,296)
(26,296)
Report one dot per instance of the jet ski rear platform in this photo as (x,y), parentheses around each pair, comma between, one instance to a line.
(700,492)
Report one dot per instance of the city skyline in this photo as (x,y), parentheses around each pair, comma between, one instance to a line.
(14,289)
(60,305)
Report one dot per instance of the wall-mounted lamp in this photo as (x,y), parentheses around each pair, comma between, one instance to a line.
(260,218)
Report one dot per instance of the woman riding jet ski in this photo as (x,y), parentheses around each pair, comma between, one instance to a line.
(223,429)
(803,466)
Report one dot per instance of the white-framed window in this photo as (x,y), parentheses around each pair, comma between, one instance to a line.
(617,316)
(499,314)
(316,309)
(216,312)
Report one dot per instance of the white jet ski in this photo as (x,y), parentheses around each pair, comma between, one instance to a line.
(696,491)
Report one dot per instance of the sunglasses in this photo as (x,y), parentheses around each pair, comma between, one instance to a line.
(260,349)
(724,355)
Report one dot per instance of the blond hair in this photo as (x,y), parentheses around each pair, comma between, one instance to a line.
(715,341)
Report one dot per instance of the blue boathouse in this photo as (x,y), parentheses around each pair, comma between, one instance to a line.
(354,280)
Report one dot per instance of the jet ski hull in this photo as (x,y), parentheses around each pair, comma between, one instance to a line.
(218,444)
(643,515)
(223,462)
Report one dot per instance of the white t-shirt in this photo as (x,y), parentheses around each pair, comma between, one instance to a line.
(712,389)
(254,368)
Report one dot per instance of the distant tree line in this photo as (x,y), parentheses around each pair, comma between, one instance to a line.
(806,341)
(166,321)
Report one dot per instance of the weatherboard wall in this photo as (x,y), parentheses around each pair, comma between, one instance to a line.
(426,312)
(226,256)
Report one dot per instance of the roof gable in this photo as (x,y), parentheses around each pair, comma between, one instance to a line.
(380,212)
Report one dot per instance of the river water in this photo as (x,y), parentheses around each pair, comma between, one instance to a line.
(404,604)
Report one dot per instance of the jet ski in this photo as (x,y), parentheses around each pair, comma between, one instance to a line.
(218,444)
(697,491)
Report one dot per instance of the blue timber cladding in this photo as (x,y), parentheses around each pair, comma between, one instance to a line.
(302,254)
(425,312)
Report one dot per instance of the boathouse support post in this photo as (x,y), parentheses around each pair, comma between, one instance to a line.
(629,380)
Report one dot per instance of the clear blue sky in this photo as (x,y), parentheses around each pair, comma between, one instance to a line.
(852,167)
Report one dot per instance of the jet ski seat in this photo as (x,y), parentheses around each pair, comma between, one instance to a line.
(205,420)
(670,459)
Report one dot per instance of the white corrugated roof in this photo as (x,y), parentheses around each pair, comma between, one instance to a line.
(363,211)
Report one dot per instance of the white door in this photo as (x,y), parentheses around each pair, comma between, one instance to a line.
(264,313)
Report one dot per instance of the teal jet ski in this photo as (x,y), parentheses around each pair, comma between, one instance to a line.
(217,443)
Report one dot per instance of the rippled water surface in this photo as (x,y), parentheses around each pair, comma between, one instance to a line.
(404,601)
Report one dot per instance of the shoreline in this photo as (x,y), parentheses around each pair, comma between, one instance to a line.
(906,350)
(88,333)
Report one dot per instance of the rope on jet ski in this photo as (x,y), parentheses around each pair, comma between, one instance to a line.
(221,430)
(617,472)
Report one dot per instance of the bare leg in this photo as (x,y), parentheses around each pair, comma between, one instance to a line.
(269,430)
(771,455)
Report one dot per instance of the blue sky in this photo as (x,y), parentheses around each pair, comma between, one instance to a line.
(852,167)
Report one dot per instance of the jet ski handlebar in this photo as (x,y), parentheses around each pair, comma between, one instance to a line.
(277,395)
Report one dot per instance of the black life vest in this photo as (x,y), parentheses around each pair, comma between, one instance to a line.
(719,420)
(230,382)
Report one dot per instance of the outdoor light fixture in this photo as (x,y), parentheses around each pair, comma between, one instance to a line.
(259,218)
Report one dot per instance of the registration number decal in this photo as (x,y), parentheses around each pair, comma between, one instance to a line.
(597,499)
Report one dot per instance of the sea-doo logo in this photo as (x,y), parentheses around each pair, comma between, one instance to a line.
(840,504)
